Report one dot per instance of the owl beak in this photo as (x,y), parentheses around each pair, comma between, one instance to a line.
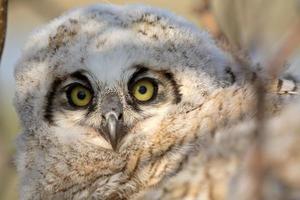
(112,120)
(112,132)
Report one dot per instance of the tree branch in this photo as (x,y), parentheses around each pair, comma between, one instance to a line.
(3,22)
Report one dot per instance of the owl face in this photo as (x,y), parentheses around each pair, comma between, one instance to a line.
(101,85)
(104,113)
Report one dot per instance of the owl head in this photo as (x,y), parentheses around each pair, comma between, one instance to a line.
(103,91)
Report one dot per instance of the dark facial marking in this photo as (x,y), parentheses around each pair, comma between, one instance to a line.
(48,115)
(175,86)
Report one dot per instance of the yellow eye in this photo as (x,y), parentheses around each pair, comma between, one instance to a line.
(143,90)
(79,96)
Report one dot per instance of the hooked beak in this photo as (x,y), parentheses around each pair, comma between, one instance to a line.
(112,120)
(112,128)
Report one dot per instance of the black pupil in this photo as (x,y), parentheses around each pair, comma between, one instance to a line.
(142,89)
(81,95)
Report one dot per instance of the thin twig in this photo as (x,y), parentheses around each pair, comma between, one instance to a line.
(256,165)
(255,160)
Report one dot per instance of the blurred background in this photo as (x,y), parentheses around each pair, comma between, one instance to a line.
(259,27)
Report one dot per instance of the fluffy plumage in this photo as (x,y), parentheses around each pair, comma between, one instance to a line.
(223,168)
(65,152)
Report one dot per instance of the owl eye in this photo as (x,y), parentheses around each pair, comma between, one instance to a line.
(144,90)
(78,95)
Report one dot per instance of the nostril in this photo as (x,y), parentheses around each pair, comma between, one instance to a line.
(103,117)
(120,116)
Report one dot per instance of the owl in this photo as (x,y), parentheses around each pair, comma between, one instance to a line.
(113,100)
